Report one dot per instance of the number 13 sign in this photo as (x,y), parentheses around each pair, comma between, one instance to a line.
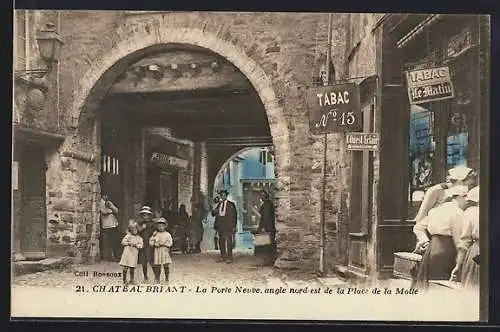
(334,109)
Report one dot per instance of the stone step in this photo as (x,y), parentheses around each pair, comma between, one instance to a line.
(25,267)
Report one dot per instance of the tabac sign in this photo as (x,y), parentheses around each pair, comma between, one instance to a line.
(334,108)
(168,161)
(362,141)
(425,85)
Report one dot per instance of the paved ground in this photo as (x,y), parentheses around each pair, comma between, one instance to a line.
(197,269)
(56,294)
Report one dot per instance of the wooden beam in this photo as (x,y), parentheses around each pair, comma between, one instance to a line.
(183,94)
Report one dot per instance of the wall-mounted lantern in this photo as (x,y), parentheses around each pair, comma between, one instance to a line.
(49,44)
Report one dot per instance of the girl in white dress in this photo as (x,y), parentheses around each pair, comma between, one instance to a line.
(131,243)
(161,241)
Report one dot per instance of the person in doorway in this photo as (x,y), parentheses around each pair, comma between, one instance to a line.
(196,225)
(438,237)
(457,176)
(467,267)
(146,229)
(157,210)
(161,241)
(267,225)
(225,224)
(169,214)
(109,230)
(182,228)
(132,243)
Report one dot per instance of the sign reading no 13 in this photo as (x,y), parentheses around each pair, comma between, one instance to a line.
(334,108)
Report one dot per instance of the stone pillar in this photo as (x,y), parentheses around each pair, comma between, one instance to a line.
(186,180)
(196,169)
(140,169)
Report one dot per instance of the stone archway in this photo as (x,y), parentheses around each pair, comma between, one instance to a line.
(139,42)
(107,68)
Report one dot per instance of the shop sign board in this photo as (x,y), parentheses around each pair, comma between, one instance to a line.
(426,85)
(334,108)
(362,141)
(168,161)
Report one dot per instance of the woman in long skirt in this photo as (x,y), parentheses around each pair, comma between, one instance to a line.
(438,234)
(467,267)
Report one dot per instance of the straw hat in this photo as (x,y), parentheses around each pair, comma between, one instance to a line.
(459,173)
(456,191)
(146,209)
(473,194)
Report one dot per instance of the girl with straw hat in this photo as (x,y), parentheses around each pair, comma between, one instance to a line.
(161,241)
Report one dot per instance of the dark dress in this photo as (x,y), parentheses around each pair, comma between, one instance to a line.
(146,253)
(182,230)
(437,261)
(267,222)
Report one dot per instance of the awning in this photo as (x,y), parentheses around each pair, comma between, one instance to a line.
(35,136)
(416,31)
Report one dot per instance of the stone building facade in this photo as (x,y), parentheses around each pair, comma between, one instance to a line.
(384,47)
(277,52)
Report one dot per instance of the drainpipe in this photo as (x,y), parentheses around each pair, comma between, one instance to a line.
(322,271)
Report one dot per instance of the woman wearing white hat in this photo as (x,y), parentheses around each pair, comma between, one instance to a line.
(439,234)
(457,176)
(146,228)
(467,266)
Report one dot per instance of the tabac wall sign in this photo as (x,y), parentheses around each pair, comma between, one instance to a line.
(425,85)
(334,108)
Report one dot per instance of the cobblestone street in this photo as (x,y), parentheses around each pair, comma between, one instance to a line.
(198,269)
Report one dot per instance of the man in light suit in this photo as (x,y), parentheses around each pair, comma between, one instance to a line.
(225,224)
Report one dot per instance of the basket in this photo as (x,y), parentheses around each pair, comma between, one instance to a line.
(262,239)
(404,262)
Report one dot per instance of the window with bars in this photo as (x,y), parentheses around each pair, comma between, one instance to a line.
(20,40)
(110,165)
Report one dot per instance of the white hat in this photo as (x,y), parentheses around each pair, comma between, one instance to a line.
(161,221)
(473,194)
(456,191)
(146,209)
(459,173)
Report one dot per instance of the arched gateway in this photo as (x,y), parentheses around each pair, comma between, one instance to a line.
(151,37)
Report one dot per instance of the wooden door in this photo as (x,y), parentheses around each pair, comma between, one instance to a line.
(170,188)
(33,225)
(361,201)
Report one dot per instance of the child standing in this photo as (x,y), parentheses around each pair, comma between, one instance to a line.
(131,243)
(161,241)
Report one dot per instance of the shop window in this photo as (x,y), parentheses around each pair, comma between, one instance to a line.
(422,147)
(21,39)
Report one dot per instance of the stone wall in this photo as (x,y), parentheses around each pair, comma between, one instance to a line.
(276,51)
